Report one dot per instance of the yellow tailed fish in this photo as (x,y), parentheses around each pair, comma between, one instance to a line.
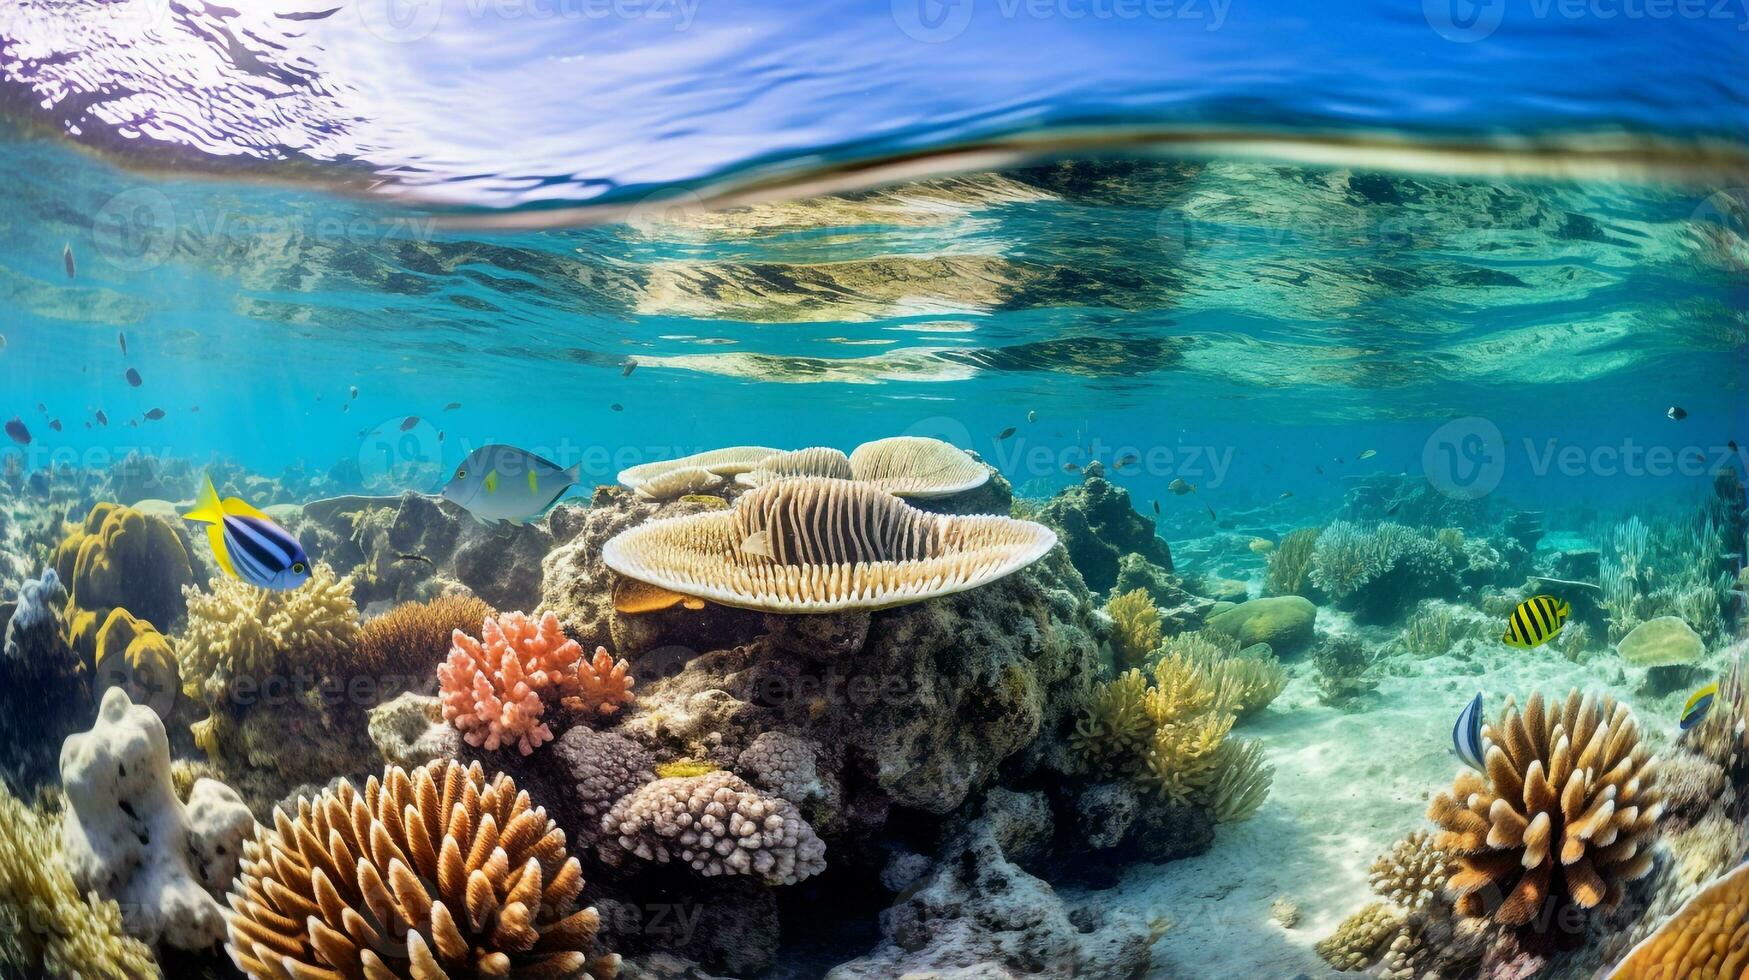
(1698,705)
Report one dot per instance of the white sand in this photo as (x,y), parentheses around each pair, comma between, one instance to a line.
(1346,786)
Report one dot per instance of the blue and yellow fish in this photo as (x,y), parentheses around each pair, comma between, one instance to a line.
(1698,706)
(1466,735)
(249,546)
(1536,621)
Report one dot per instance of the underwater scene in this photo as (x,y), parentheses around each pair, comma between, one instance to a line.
(559,490)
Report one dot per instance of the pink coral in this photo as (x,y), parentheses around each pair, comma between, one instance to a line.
(603,685)
(494,690)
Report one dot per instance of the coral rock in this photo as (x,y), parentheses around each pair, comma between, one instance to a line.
(718,825)
(410,731)
(1098,526)
(129,838)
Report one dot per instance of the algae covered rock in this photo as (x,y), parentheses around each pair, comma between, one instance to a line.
(1283,622)
(1099,527)
(45,688)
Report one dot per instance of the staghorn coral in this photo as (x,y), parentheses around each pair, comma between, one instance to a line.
(47,926)
(1378,571)
(1290,564)
(1707,939)
(237,631)
(812,545)
(1413,872)
(718,825)
(1566,814)
(1136,627)
(1362,937)
(917,466)
(496,689)
(817,461)
(441,873)
(1172,735)
(413,638)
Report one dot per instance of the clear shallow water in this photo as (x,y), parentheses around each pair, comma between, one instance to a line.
(430,219)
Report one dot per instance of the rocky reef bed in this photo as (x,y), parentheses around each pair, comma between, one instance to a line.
(1031,743)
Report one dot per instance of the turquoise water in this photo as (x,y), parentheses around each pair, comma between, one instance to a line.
(1447,299)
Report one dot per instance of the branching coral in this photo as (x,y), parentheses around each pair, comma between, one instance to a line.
(413,638)
(1249,679)
(1136,627)
(1380,569)
(1566,815)
(1668,568)
(1362,937)
(496,689)
(1173,735)
(718,825)
(237,631)
(1290,564)
(438,874)
(47,928)
(1413,872)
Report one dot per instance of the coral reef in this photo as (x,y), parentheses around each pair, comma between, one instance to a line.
(410,731)
(437,873)
(496,689)
(237,631)
(1172,735)
(1669,568)
(127,837)
(1380,572)
(1290,564)
(411,639)
(1362,937)
(818,461)
(133,655)
(731,461)
(121,557)
(1098,526)
(1566,814)
(49,927)
(814,545)
(786,765)
(1413,873)
(599,768)
(1285,623)
(1344,666)
(1135,630)
(1708,937)
(718,825)
(915,466)
(45,688)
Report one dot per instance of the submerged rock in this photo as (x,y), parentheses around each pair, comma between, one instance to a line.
(1099,527)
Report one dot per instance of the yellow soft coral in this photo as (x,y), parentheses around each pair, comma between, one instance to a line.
(238,630)
(133,655)
(46,927)
(1137,627)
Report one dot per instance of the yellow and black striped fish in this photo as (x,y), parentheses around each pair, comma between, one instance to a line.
(1536,621)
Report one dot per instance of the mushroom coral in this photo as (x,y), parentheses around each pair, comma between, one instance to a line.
(816,461)
(440,873)
(1567,812)
(917,466)
(814,545)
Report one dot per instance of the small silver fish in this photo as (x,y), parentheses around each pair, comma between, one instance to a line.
(1367,454)
(503,483)
(134,379)
(452,406)
(626,371)
(409,422)
(1179,487)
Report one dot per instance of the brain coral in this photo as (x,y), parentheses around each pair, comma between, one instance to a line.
(121,557)
(133,655)
(1567,813)
(438,874)
(811,544)
(1707,939)
(48,927)
(237,630)
(718,825)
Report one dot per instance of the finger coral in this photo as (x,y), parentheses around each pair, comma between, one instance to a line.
(441,873)
(1362,937)
(718,825)
(496,689)
(48,927)
(237,630)
(1291,563)
(814,545)
(1566,814)
(1707,938)
(1136,627)
(1413,872)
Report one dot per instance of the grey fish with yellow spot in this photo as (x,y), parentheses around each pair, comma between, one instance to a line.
(503,483)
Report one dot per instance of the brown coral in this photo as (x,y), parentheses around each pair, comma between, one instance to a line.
(602,685)
(412,639)
(1707,939)
(438,874)
(1413,872)
(811,545)
(1566,814)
